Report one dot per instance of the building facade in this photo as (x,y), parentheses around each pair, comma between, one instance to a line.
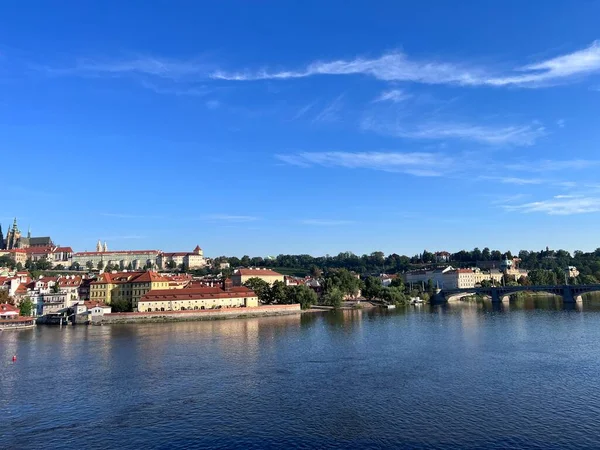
(198,298)
(240,276)
(14,239)
(126,286)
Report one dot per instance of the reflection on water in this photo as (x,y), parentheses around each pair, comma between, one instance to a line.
(521,374)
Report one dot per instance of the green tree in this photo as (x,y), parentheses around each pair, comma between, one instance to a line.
(26,307)
(7,261)
(486,283)
(277,292)
(301,294)
(89,265)
(333,297)
(372,288)
(43,264)
(344,280)
(171,264)
(121,305)
(260,287)
(55,288)
(75,266)
(393,295)
(19,266)
(100,265)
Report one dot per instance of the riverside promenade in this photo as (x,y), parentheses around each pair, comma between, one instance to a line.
(208,314)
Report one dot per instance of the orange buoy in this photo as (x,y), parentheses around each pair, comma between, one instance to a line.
(14,358)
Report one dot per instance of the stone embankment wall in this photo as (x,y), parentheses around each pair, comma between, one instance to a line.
(212,314)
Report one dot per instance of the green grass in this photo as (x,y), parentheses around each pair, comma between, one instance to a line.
(293,271)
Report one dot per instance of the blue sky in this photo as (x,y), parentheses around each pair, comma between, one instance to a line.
(302,127)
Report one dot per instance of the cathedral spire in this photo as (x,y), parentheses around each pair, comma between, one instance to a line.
(29,232)
(15,227)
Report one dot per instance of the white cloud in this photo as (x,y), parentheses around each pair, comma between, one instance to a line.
(560,123)
(213,104)
(326,223)
(554,165)
(397,66)
(418,164)
(302,111)
(394,96)
(523,135)
(513,180)
(142,65)
(560,206)
(331,111)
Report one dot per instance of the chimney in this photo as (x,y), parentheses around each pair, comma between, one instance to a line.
(227,284)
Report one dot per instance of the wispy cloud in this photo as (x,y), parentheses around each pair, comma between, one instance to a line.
(331,112)
(130,216)
(560,123)
(553,165)
(213,104)
(302,111)
(326,222)
(513,180)
(523,135)
(418,164)
(397,66)
(230,218)
(141,65)
(393,95)
(560,206)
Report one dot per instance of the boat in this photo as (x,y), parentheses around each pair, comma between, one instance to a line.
(416,301)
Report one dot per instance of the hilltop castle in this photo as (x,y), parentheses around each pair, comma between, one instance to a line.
(15,240)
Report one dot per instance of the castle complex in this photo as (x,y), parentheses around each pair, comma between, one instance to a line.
(14,240)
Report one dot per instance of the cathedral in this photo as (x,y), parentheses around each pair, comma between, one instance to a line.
(14,239)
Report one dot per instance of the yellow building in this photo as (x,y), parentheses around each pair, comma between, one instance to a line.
(240,276)
(126,286)
(200,298)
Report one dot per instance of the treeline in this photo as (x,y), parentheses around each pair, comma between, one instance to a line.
(377,262)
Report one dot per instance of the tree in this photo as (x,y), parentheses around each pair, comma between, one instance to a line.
(344,280)
(26,307)
(260,287)
(55,288)
(393,295)
(277,292)
(19,266)
(89,265)
(75,266)
(7,261)
(121,305)
(100,265)
(60,267)
(171,264)
(301,294)
(333,297)
(372,288)
(315,272)
(486,283)
(5,298)
(43,264)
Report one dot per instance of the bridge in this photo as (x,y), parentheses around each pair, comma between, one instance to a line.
(569,293)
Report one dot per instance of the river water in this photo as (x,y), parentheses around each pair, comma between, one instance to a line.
(463,376)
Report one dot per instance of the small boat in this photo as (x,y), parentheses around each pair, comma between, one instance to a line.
(391,306)
(416,301)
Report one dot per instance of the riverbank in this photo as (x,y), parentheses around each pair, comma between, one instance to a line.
(197,315)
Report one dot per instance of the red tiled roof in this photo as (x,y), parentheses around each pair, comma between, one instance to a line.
(89,304)
(6,308)
(170,255)
(119,252)
(38,250)
(196,293)
(257,272)
(63,250)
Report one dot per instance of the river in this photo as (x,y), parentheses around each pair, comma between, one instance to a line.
(461,376)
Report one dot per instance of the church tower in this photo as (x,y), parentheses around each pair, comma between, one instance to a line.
(2,245)
(99,246)
(105,247)
(13,237)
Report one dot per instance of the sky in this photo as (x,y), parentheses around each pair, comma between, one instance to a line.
(312,127)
